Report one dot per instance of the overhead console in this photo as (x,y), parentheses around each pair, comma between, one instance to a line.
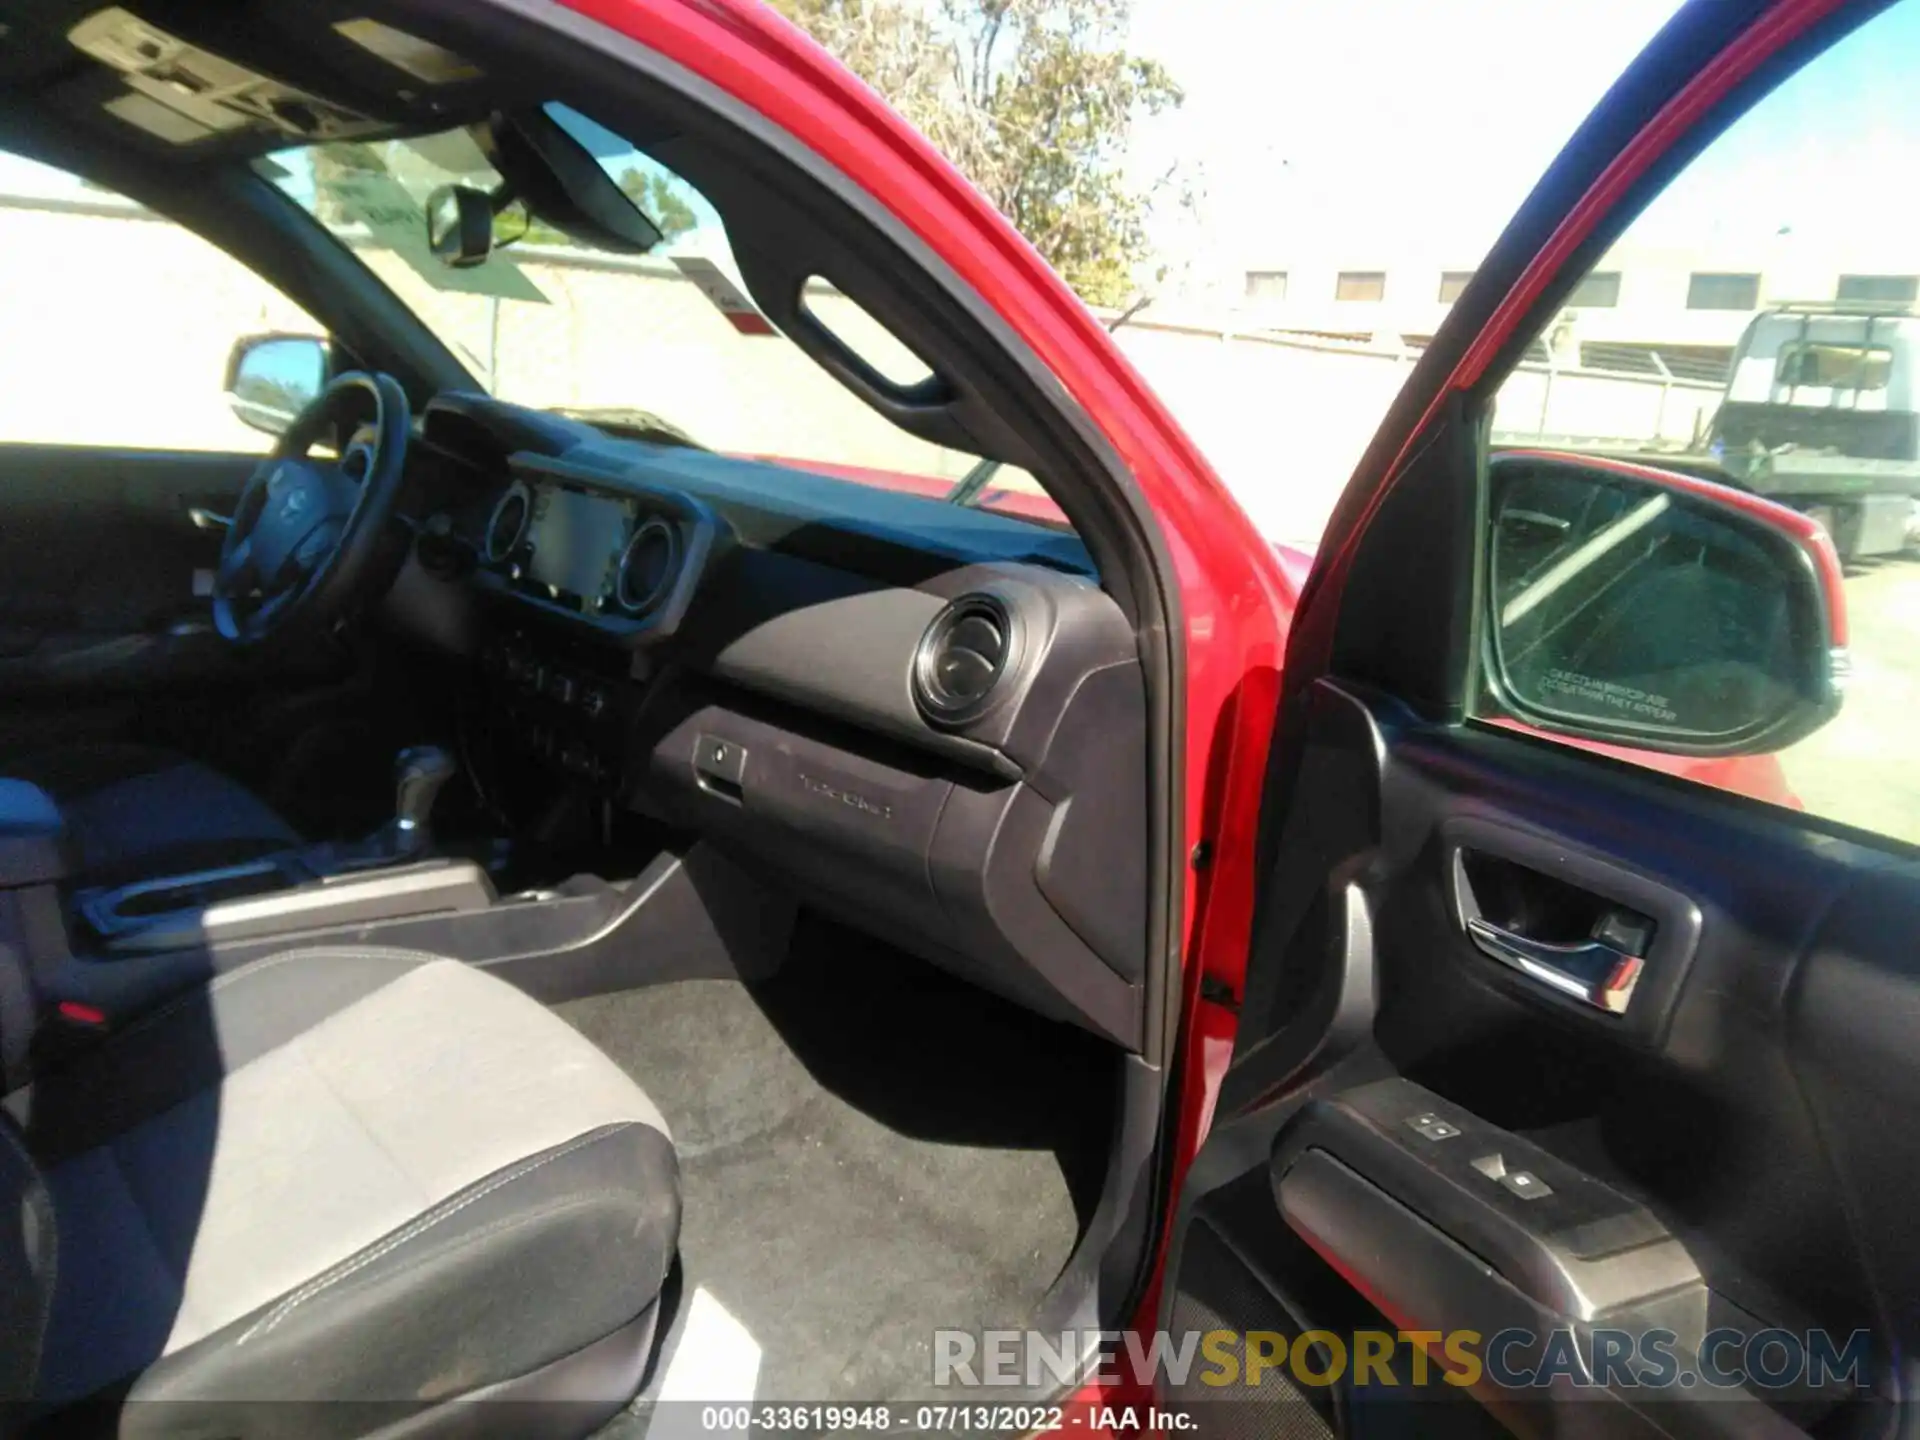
(182,94)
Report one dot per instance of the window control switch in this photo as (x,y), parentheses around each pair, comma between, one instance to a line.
(1432,1127)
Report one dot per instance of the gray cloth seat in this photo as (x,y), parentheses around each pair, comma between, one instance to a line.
(135,812)
(335,1175)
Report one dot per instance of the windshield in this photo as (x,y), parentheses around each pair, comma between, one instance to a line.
(666,345)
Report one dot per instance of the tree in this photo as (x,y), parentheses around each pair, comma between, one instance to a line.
(1035,102)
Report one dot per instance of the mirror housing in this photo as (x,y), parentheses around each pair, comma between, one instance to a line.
(556,177)
(272,378)
(1658,611)
(460,226)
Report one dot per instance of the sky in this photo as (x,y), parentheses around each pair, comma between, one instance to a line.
(1372,127)
(1353,120)
(1336,125)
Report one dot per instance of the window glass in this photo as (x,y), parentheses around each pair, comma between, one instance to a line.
(1266,284)
(1843,367)
(1722,292)
(131,316)
(1891,289)
(1767,337)
(1452,282)
(668,342)
(1360,285)
(1600,290)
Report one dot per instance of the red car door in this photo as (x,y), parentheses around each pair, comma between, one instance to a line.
(1445,1193)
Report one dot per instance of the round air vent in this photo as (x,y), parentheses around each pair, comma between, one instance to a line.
(961,659)
(507,526)
(647,567)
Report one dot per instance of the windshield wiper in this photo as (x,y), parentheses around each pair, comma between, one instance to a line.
(974,483)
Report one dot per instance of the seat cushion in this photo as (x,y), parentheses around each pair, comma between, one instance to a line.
(134,812)
(342,1174)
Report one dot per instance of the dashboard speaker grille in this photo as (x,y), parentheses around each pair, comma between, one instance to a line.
(962,658)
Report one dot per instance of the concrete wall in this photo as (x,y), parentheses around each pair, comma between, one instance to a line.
(118,327)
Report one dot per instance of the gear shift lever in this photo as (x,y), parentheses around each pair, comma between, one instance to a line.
(420,772)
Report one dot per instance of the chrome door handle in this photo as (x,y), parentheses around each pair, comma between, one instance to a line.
(1591,971)
(205,519)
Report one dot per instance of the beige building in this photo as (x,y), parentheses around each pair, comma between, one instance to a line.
(1640,308)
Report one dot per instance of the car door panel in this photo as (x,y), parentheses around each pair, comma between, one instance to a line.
(1737,1124)
(103,604)
(102,540)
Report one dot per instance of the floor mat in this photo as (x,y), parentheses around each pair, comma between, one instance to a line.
(869,1150)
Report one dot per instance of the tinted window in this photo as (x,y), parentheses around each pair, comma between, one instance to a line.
(1819,410)
(1892,289)
(1600,290)
(1845,367)
(1723,292)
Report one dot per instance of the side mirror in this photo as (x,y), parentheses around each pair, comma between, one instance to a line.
(1658,611)
(272,378)
(460,226)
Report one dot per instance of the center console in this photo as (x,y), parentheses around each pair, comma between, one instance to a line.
(329,883)
(565,703)
(275,895)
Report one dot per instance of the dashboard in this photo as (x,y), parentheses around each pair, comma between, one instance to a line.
(925,719)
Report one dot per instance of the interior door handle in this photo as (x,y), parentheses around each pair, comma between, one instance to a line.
(1591,971)
(205,519)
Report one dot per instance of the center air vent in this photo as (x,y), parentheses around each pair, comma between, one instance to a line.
(647,567)
(507,526)
(962,658)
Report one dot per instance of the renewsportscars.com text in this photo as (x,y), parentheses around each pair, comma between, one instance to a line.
(1511,1359)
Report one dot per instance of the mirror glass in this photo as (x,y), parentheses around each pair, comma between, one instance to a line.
(1649,613)
(276,377)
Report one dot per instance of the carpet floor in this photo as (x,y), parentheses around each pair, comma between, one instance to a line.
(869,1150)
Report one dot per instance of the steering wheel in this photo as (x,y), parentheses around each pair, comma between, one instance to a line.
(307,534)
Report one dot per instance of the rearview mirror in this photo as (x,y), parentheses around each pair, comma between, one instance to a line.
(272,378)
(460,226)
(1656,610)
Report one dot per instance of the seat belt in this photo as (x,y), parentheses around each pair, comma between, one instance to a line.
(19,994)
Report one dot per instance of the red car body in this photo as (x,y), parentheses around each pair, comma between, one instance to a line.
(1238,592)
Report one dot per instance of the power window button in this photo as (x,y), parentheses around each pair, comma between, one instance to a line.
(1430,1126)
(1526,1184)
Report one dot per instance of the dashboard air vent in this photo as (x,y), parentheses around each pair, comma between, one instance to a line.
(507,526)
(647,567)
(961,659)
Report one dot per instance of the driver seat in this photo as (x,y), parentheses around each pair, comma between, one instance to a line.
(134,812)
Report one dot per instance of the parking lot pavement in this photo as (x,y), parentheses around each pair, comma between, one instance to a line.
(1863,768)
